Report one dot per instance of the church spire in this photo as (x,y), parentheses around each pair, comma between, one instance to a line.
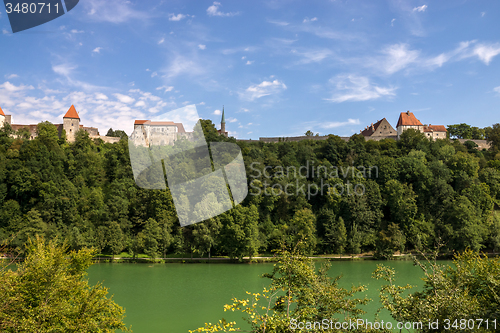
(223,121)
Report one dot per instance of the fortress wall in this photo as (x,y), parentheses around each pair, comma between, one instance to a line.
(482,144)
(378,138)
(110,139)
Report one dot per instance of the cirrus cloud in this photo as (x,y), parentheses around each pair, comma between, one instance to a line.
(262,89)
(357,88)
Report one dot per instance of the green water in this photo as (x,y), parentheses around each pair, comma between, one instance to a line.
(178,297)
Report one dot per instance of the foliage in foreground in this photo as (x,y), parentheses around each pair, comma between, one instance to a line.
(296,294)
(49,293)
(466,295)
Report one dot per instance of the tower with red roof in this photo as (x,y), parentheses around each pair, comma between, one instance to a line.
(71,123)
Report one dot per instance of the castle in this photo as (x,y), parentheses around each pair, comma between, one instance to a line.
(147,133)
(71,124)
(382,129)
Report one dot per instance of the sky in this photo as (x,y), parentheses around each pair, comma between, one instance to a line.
(279,67)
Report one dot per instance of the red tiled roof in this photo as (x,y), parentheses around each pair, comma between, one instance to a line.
(1,112)
(180,128)
(162,123)
(408,119)
(434,128)
(72,113)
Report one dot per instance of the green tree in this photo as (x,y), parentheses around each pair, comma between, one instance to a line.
(465,291)
(493,136)
(49,292)
(336,235)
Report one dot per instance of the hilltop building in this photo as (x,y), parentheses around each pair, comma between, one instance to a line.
(71,124)
(222,130)
(380,130)
(147,133)
(408,120)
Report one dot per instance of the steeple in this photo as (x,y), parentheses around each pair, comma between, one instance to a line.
(223,124)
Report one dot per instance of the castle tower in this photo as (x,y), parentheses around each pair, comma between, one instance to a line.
(71,123)
(223,122)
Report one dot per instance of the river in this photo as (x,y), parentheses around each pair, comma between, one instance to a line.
(178,297)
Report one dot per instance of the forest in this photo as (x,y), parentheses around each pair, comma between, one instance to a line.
(404,195)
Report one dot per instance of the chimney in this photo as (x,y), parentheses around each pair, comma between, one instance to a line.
(408,112)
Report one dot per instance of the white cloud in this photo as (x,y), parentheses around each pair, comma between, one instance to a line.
(483,13)
(249,62)
(217,112)
(306,20)
(182,65)
(232,120)
(312,55)
(5,32)
(280,23)
(124,98)
(11,76)
(63,69)
(97,50)
(214,10)
(420,9)
(140,103)
(497,89)
(334,124)
(161,41)
(101,96)
(114,11)
(397,57)
(178,17)
(154,74)
(165,88)
(201,103)
(392,22)
(13,88)
(202,47)
(486,52)
(263,89)
(357,88)
(74,31)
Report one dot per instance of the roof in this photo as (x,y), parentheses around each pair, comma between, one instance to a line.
(223,120)
(72,113)
(162,123)
(1,112)
(180,127)
(434,128)
(408,119)
(372,128)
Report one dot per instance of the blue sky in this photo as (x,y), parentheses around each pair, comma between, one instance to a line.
(279,67)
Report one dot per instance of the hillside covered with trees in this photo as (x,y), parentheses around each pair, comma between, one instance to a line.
(417,193)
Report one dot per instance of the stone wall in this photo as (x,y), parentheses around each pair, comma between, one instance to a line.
(481,144)
(109,139)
